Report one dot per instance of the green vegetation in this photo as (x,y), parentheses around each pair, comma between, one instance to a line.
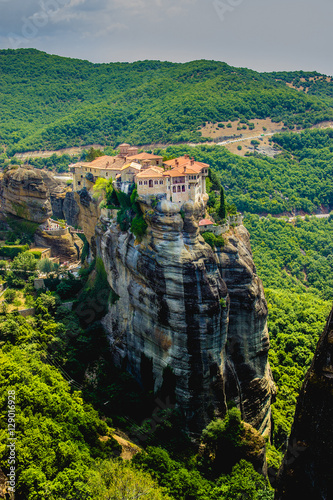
(204,477)
(212,240)
(294,256)
(295,263)
(78,103)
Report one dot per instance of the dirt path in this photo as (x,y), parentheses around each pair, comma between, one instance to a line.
(128,449)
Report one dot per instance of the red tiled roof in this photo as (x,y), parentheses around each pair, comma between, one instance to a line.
(185,161)
(180,171)
(205,222)
(145,156)
(109,162)
(151,172)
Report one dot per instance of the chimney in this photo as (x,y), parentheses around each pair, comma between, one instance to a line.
(176,163)
(184,170)
(192,160)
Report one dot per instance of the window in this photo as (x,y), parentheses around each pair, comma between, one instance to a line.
(178,189)
(145,183)
(174,189)
(150,183)
(81,176)
(107,174)
(140,183)
(79,183)
(183,189)
(161,182)
(155,182)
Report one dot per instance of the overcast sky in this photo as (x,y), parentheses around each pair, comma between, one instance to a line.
(264,35)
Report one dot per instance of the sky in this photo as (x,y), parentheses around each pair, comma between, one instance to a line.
(264,35)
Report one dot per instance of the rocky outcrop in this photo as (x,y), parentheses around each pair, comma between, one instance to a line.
(189,322)
(23,193)
(247,373)
(66,247)
(307,468)
(71,209)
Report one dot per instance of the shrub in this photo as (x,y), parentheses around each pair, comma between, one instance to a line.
(10,295)
(36,253)
(212,240)
(139,226)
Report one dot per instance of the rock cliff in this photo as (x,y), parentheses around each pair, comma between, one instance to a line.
(189,322)
(23,193)
(307,468)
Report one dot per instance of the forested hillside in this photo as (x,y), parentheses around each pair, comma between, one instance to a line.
(50,102)
(301,178)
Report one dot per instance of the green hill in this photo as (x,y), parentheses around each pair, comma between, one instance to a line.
(51,102)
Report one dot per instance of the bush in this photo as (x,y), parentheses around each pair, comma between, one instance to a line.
(139,226)
(212,240)
(10,295)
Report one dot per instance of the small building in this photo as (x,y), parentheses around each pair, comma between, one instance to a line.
(205,225)
(151,181)
(86,173)
(146,159)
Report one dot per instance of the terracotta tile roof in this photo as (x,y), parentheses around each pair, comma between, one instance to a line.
(186,161)
(137,166)
(105,162)
(180,171)
(145,156)
(205,222)
(151,172)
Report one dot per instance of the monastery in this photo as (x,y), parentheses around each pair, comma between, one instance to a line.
(179,180)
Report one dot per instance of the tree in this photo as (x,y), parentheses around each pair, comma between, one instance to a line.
(120,481)
(99,188)
(93,154)
(222,208)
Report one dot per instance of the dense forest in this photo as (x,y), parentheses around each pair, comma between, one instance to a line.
(76,102)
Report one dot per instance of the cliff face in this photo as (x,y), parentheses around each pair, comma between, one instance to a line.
(88,215)
(23,193)
(307,468)
(189,322)
(57,189)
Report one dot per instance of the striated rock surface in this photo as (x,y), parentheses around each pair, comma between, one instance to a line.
(57,189)
(307,468)
(189,322)
(71,209)
(23,193)
(247,373)
(88,215)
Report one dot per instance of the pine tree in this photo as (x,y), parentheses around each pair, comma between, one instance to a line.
(222,210)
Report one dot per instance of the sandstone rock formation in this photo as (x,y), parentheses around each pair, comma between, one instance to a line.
(88,215)
(57,189)
(71,209)
(67,246)
(23,193)
(189,320)
(307,468)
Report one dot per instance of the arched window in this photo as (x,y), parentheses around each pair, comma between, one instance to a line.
(151,183)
